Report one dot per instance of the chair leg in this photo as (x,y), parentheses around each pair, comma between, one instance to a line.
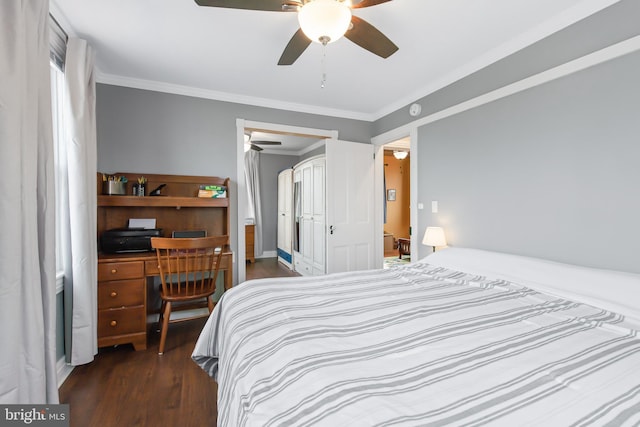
(165,325)
(161,317)
(210,304)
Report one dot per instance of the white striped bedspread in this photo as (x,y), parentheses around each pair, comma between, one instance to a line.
(416,345)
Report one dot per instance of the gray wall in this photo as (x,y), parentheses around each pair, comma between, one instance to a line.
(270,166)
(549,172)
(317,152)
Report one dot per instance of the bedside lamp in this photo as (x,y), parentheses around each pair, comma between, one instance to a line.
(434,236)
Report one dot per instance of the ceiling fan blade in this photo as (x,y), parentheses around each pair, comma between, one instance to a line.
(267,142)
(298,44)
(367,3)
(268,5)
(370,38)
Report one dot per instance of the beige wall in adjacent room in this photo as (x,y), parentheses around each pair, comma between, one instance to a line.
(397,177)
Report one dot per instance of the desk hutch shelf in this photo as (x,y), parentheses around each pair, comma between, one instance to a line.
(162,201)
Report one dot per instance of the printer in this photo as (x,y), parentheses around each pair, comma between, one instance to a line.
(123,240)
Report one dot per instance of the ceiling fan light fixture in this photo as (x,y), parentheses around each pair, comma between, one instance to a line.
(324,21)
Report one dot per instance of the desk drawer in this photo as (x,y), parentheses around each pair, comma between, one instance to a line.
(121,293)
(120,321)
(120,270)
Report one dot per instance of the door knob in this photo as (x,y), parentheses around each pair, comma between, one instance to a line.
(331,229)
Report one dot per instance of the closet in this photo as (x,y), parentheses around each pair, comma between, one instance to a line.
(285,218)
(309,235)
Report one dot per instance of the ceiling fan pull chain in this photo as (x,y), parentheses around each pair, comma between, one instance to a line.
(323,82)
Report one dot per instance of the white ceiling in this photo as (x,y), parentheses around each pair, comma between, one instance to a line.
(179,47)
(292,145)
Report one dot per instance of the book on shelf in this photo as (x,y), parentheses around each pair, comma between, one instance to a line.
(212,191)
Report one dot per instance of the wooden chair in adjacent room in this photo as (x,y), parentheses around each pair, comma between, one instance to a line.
(188,272)
(404,247)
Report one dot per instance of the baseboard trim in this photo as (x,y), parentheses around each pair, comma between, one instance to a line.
(63,370)
(268,254)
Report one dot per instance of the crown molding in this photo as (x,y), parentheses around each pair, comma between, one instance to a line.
(175,89)
(608,53)
(545,29)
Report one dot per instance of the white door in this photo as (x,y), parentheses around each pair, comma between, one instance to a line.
(306,222)
(350,206)
(318,216)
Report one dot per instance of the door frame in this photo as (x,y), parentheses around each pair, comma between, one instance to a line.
(242,126)
(379,141)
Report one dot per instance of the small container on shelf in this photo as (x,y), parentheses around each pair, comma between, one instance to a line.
(113,188)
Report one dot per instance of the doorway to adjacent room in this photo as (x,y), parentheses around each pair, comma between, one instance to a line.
(397,202)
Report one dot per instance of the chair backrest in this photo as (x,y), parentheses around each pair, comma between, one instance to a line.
(189,266)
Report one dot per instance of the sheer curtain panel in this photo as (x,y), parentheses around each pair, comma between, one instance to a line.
(27,207)
(81,265)
(252,178)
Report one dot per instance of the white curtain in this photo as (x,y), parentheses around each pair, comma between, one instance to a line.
(27,207)
(80,235)
(252,178)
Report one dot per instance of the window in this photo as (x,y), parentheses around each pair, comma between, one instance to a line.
(57,57)
(57,52)
(57,77)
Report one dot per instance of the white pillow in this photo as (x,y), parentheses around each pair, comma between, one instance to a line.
(612,290)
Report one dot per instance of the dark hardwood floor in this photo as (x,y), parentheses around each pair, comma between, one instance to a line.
(123,387)
(268,267)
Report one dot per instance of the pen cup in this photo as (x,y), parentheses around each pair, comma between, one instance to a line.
(114,188)
(138,189)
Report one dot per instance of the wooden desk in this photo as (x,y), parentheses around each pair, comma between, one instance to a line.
(122,296)
(122,278)
(249,245)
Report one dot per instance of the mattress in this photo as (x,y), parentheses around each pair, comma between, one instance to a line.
(421,344)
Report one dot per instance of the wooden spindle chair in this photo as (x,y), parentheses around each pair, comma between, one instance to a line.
(404,247)
(188,271)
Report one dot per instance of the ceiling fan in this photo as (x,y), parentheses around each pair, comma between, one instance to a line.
(322,21)
(255,145)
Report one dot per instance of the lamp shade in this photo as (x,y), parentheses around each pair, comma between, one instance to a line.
(324,21)
(400,155)
(434,236)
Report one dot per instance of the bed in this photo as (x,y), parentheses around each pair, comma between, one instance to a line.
(462,337)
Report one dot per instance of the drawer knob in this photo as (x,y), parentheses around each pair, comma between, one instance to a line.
(114,294)
(114,271)
(113,323)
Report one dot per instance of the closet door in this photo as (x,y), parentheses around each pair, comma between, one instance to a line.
(310,217)
(318,216)
(285,217)
(306,232)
